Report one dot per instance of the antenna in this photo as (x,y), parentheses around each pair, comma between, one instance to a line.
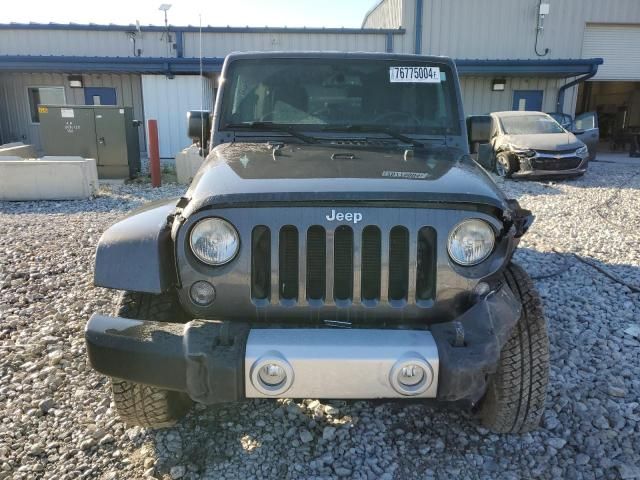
(202,90)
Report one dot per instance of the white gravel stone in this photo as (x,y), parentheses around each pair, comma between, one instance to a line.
(54,405)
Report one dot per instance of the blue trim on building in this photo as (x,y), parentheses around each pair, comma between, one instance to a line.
(191,28)
(389,43)
(69,64)
(418,38)
(558,67)
(180,43)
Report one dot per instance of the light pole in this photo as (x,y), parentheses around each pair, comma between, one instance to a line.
(165,8)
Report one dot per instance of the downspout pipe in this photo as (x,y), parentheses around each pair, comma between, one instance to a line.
(417,49)
(565,87)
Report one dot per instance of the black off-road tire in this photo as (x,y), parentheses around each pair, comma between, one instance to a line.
(144,405)
(515,397)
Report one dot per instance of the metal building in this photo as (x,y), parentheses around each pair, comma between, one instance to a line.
(533,54)
(552,55)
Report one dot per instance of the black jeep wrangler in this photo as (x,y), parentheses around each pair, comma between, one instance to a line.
(338,242)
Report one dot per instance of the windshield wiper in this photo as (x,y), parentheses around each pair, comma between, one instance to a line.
(374,129)
(280,127)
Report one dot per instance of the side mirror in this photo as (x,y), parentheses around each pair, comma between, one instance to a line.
(479,129)
(199,126)
(485,157)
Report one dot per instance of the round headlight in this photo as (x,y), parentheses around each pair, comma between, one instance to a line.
(470,242)
(214,241)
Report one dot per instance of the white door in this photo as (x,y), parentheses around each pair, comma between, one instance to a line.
(168,101)
(618,45)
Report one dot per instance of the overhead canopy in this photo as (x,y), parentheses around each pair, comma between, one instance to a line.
(167,66)
(69,64)
(537,67)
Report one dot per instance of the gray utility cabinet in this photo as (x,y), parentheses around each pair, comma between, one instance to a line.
(107,133)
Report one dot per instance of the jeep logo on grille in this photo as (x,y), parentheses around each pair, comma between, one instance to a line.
(354,217)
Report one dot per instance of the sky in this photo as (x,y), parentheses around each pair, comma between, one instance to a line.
(254,13)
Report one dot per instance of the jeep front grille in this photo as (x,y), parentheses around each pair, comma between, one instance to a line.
(343,266)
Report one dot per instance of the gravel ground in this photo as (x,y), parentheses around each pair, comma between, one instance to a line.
(57,421)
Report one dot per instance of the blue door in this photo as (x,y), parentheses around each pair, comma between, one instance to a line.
(527,100)
(99,96)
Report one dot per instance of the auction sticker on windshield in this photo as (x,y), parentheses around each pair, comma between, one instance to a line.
(414,74)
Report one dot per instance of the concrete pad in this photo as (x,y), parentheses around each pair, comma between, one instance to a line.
(37,179)
(188,162)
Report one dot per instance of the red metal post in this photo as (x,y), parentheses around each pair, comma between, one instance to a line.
(154,153)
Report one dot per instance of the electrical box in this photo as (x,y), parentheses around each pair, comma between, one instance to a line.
(109,134)
(544,9)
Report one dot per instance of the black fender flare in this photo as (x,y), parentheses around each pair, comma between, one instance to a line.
(137,252)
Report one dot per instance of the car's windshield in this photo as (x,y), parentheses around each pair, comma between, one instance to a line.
(529,124)
(319,93)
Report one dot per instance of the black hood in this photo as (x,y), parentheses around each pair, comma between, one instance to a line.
(245,173)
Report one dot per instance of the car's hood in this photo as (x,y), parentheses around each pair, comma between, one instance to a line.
(250,173)
(545,141)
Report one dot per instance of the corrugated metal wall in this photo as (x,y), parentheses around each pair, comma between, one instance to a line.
(507,28)
(15,116)
(215,44)
(168,101)
(500,28)
(220,44)
(478,98)
(395,14)
(80,42)
(620,45)
(386,14)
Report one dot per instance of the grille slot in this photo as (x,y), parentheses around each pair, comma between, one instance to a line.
(567,163)
(426,264)
(343,270)
(316,262)
(398,263)
(288,262)
(260,262)
(371,263)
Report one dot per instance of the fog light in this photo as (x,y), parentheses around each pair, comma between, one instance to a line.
(202,293)
(272,374)
(411,375)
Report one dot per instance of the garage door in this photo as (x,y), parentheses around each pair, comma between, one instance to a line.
(168,101)
(618,45)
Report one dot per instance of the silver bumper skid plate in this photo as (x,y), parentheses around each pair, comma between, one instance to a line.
(340,363)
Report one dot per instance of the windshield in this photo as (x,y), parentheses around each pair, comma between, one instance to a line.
(529,124)
(321,93)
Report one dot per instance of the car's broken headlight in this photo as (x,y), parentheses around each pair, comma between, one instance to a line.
(214,241)
(471,241)
(523,151)
(583,151)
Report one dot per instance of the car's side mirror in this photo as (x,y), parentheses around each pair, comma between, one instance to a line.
(479,129)
(199,126)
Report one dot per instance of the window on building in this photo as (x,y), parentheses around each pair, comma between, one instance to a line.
(44,96)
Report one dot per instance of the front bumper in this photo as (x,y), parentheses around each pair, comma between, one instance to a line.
(529,166)
(217,362)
